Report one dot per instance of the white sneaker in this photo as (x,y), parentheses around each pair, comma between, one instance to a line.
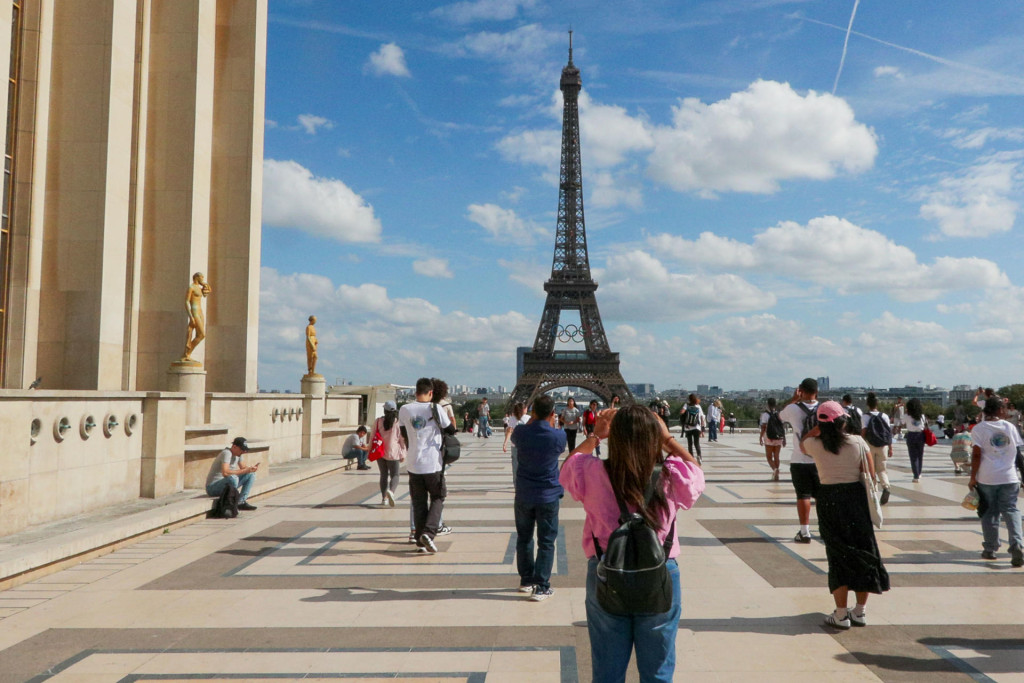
(444,530)
(389,498)
(841,624)
(528,588)
(858,620)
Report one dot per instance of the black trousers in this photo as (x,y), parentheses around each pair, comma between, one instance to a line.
(570,439)
(428,492)
(693,442)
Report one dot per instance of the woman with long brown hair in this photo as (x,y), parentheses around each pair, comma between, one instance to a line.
(637,439)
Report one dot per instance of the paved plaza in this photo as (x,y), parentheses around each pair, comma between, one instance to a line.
(320,583)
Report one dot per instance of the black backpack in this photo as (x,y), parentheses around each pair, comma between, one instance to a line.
(451,447)
(810,418)
(632,577)
(226,506)
(774,429)
(692,417)
(878,433)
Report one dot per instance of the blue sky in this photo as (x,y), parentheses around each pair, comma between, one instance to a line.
(747,225)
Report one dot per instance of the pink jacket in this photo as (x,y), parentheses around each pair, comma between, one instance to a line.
(394,447)
(586,480)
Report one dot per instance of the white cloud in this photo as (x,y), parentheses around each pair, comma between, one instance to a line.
(389,60)
(609,189)
(504,225)
(757,138)
(976,139)
(526,43)
(530,274)
(433,267)
(637,286)
(311,123)
(363,328)
(835,253)
(482,10)
(976,202)
(324,207)
(750,142)
(888,71)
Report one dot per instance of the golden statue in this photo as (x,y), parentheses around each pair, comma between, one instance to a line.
(311,344)
(197,291)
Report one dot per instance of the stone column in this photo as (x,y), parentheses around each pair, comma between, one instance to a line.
(190,378)
(314,389)
(163,445)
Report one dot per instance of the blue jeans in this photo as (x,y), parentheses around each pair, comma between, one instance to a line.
(613,638)
(483,426)
(241,482)
(1002,500)
(357,453)
(536,571)
(515,465)
(712,430)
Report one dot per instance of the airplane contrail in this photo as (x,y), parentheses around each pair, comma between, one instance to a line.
(919,53)
(846,42)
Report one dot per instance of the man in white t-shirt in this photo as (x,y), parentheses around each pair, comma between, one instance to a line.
(421,424)
(801,466)
(355,446)
(993,472)
(227,469)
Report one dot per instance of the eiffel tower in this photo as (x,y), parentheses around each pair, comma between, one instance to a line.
(571,287)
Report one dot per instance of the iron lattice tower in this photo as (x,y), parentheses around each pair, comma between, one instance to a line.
(571,287)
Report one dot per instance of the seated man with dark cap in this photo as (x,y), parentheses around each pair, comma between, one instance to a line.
(228,470)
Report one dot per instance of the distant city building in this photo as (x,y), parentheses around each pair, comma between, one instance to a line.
(520,352)
(702,389)
(642,390)
(714,390)
(823,384)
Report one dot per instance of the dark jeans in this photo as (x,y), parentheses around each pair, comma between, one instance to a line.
(357,453)
(693,442)
(915,448)
(388,474)
(536,571)
(427,517)
(570,439)
(712,430)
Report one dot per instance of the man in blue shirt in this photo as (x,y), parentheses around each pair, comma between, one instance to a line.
(538,445)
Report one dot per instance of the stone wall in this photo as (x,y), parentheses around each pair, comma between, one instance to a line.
(65,453)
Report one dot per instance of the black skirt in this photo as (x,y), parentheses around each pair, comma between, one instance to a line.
(845,526)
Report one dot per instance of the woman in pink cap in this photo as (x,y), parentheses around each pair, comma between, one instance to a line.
(844,523)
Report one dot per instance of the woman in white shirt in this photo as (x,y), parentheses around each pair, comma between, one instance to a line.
(518,417)
(570,418)
(993,473)
(915,422)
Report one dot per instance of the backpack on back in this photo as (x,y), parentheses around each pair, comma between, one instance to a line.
(810,418)
(226,506)
(878,433)
(692,417)
(632,577)
(774,429)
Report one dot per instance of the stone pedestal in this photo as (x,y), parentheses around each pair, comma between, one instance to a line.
(163,441)
(314,385)
(314,389)
(188,377)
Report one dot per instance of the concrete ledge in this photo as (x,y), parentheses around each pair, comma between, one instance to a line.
(28,554)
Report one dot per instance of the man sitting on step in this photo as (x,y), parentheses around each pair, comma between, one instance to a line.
(228,470)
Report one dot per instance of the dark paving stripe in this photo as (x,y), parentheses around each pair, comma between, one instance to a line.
(217,571)
(782,567)
(40,657)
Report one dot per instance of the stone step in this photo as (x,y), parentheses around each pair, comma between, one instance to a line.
(208,435)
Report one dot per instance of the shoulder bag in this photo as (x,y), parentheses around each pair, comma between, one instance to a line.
(451,447)
(871,489)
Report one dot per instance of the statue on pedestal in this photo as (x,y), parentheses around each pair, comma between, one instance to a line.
(311,344)
(197,291)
